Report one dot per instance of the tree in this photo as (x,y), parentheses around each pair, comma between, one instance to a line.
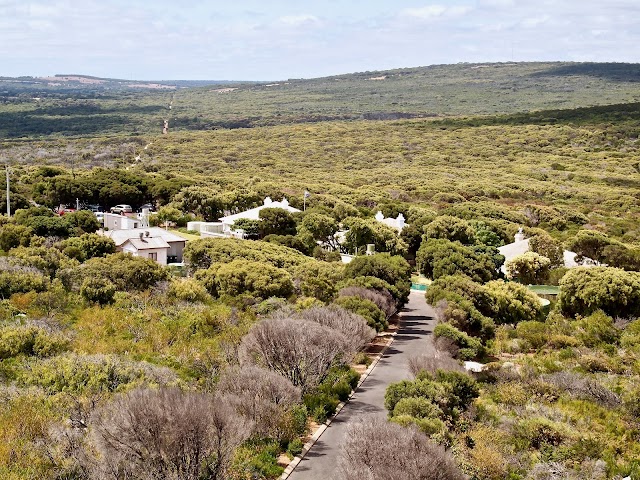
(316,227)
(451,228)
(394,270)
(369,231)
(318,279)
(168,214)
(543,244)
(165,433)
(375,449)
(440,257)
(251,228)
(89,245)
(612,290)
(82,221)
(513,303)
(276,221)
(12,236)
(254,278)
(528,268)
(589,244)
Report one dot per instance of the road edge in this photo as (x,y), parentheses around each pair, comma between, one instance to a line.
(318,433)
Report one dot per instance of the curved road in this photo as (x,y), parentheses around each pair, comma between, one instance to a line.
(417,321)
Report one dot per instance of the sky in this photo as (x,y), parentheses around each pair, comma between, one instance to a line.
(281,39)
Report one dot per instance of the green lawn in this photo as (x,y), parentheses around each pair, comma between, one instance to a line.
(544,289)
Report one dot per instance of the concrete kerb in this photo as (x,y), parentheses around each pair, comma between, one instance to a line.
(318,433)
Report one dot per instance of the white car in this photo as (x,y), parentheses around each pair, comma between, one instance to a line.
(121,209)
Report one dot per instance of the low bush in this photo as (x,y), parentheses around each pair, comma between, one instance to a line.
(29,341)
(468,347)
(366,309)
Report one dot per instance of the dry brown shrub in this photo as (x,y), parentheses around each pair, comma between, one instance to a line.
(262,396)
(166,433)
(299,350)
(376,449)
(432,362)
(581,386)
(355,329)
(383,300)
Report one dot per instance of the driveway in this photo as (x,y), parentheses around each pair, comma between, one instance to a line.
(417,321)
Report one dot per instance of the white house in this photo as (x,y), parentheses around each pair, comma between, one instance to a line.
(520,246)
(112,221)
(254,213)
(154,242)
(397,223)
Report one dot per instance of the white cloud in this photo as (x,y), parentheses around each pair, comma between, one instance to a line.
(432,12)
(299,20)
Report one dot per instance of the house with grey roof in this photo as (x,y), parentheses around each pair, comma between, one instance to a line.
(155,243)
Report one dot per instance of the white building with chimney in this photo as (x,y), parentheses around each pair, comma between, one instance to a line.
(397,223)
(155,243)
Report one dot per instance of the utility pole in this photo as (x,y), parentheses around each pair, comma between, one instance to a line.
(8,194)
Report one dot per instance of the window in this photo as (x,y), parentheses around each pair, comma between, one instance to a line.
(153,256)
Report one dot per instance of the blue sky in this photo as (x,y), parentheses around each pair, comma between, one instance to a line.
(280,39)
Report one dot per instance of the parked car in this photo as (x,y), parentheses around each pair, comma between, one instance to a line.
(94,208)
(120,209)
(148,206)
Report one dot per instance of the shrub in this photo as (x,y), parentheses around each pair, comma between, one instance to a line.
(451,228)
(263,397)
(535,334)
(93,374)
(21,280)
(356,333)
(98,290)
(29,340)
(529,268)
(597,330)
(463,286)
(12,236)
(469,347)
(612,290)
(294,447)
(165,433)
(460,313)
(302,351)
(371,446)
(125,272)
(373,283)
(188,290)
(440,257)
(365,308)
(417,407)
(433,362)
(253,278)
(318,279)
(392,269)
(87,246)
(383,299)
(321,406)
(513,303)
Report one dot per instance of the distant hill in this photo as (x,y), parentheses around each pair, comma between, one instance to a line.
(83,105)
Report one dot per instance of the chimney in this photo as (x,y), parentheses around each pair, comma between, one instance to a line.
(142,237)
(146,234)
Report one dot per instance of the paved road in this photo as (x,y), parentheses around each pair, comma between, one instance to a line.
(416,324)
